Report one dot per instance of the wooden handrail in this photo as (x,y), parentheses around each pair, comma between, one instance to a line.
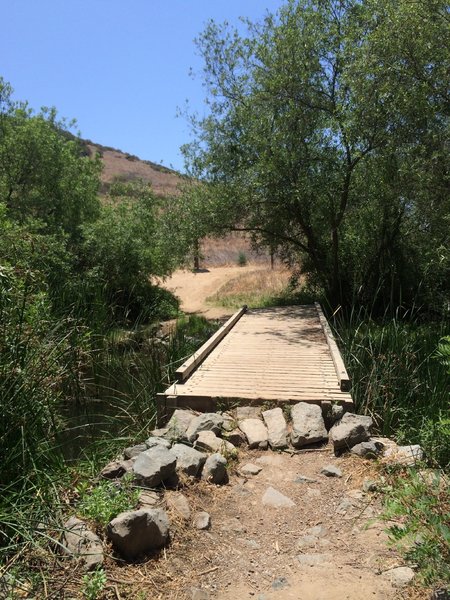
(341,372)
(183,372)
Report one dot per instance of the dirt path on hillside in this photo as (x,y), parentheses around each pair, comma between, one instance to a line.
(194,287)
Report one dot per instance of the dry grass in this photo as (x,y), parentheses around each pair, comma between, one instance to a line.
(219,252)
(254,288)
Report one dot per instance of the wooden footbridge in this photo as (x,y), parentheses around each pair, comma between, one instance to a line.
(262,356)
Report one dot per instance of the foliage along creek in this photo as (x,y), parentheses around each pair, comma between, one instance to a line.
(326,142)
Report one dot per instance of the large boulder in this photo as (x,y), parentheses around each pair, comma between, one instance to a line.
(276,427)
(256,433)
(204,422)
(154,466)
(308,426)
(189,460)
(350,430)
(82,543)
(139,531)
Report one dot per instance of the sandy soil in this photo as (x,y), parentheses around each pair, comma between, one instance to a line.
(194,287)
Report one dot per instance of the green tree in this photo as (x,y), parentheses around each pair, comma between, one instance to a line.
(125,249)
(326,136)
(43,174)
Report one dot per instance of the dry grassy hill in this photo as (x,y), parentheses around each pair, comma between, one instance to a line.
(127,167)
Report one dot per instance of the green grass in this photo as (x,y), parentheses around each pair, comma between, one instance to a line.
(417,507)
(109,401)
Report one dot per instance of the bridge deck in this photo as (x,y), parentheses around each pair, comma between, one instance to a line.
(266,355)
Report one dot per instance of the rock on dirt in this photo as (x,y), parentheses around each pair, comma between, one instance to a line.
(208,441)
(154,466)
(215,469)
(276,499)
(204,422)
(368,449)
(350,430)
(250,469)
(180,504)
(202,520)
(308,426)
(178,424)
(331,471)
(114,470)
(139,531)
(82,543)
(276,427)
(189,460)
(256,433)
(400,576)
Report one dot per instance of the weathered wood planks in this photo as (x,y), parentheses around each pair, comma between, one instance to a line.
(285,355)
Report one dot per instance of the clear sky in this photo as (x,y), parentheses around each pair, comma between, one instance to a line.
(120,67)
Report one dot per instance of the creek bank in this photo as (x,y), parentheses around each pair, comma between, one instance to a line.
(197,447)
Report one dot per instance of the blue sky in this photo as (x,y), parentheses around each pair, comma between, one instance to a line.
(121,68)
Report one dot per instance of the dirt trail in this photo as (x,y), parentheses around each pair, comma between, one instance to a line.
(330,545)
(194,287)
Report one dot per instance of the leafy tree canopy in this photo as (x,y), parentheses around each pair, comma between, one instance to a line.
(327,138)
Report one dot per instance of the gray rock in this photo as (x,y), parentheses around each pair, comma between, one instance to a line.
(256,433)
(229,423)
(235,437)
(400,576)
(350,430)
(114,470)
(308,426)
(133,451)
(202,520)
(331,471)
(250,469)
(189,460)
(404,455)
(276,499)
(311,560)
(180,504)
(204,422)
(215,469)
(159,432)
(368,449)
(248,412)
(82,543)
(154,466)
(138,531)
(178,424)
(158,441)
(276,427)
(331,413)
(208,441)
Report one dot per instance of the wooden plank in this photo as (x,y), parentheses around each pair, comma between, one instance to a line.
(341,371)
(183,372)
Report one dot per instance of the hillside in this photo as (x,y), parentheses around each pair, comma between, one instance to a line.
(127,167)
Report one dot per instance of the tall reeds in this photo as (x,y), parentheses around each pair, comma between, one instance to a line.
(398,378)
